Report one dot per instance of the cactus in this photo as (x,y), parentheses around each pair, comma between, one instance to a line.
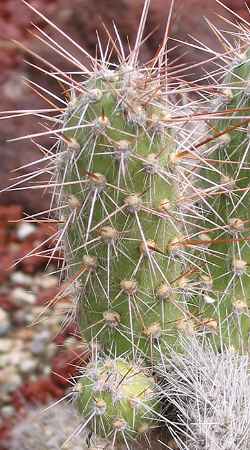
(229,148)
(117,180)
(209,390)
(117,235)
(210,394)
(151,201)
(122,230)
(119,397)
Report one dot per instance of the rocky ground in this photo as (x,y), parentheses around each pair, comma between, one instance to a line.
(39,344)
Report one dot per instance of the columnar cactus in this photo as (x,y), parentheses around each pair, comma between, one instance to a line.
(209,389)
(229,185)
(142,270)
(152,202)
(118,193)
(116,187)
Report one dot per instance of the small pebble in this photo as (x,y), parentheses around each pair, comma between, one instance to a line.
(24,334)
(10,380)
(14,358)
(20,295)
(20,318)
(7,411)
(40,341)
(5,345)
(13,383)
(21,278)
(51,350)
(46,281)
(28,366)
(4,322)
(24,230)
(46,370)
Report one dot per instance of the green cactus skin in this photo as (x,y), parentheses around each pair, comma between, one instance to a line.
(229,270)
(122,196)
(122,239)
(118,399)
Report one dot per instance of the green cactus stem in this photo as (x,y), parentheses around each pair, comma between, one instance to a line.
(122,239)
(118,399)
(228,270)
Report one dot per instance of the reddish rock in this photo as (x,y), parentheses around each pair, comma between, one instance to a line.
(48,296)
(40,391)
(5,432)
(3,234)
(66,364)
(44,231)
(29,259)
(10,214)
(6,265)
(6,303)
(8,217)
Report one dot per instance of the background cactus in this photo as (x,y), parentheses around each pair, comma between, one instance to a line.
(152,204)
(210,394)
(229,207)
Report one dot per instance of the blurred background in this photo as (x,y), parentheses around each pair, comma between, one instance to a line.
(36,360)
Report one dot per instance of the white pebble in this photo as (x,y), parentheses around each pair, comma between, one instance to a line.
(5,345)
(51,350)
(4,322)
(7,411)
(24,230)
(21,278)
(13,382)
(46,281)
(20,295)
(40,342)
(28,365)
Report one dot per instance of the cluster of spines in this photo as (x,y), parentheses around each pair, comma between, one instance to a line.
(209,391)
(229,268)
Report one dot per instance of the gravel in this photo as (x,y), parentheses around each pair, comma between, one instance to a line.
(4,322)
